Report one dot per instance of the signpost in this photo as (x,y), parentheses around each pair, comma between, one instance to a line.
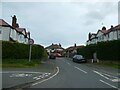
(31,41)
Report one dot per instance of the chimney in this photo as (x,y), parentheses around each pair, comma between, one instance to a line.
(103,28)
(89,36)
(14,20)
(17,25)
(59,44)
(111,26)
(75,45)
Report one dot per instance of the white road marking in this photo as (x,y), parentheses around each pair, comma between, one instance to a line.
(20,75)
(20,72)
(109,84)
(116,79)
(101,75)
(80,69)
(68,63)
(47,78)
(41,76)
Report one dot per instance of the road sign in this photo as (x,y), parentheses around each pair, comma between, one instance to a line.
(31,41)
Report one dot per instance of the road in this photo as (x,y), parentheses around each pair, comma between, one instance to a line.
(12,77)
(75,75)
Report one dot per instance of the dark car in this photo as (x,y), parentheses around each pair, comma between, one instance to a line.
(78,58)
(52,56)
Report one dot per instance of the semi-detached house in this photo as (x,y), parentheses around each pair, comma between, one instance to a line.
(7,32)
(13,33)
(104,35)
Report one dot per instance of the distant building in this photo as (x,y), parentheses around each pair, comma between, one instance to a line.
(55,48)
(72,50)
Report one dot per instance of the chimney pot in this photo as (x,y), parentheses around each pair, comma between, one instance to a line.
(111,26)
(103,28)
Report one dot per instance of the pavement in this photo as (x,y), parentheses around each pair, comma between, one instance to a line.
(13,78)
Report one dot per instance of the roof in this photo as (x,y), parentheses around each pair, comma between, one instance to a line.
(4,23)
(54,46)
(73,47)
(104,31)
(111,29)
(117,27)
(20,29)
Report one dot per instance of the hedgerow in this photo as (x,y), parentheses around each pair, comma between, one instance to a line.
(13,50)
(109,50)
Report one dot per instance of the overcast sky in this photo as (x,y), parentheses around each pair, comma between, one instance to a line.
(61,22)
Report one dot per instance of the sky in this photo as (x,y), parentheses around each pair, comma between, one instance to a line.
(63,21)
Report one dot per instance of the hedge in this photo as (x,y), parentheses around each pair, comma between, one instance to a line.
(109,50)
(13,50)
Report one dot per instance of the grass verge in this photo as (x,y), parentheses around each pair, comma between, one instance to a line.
(108,63)
(20,63)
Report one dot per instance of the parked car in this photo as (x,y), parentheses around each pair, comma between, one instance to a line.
(52,56)
(57,55)
(78,58)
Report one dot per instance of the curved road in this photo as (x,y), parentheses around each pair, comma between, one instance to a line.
(75,75)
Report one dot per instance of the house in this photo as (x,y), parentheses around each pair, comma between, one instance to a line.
(101,34)
(92,39)
(22,35)
(72,50)
(7,32)
(114,33)
(55,48)
(104,35)
(14,32)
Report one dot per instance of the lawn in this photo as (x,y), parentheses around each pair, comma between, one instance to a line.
(20,63)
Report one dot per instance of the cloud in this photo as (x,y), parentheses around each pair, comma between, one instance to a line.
(61,22)
(97,12)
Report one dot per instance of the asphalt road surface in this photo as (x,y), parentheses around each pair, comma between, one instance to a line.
(80,75)
(12,77)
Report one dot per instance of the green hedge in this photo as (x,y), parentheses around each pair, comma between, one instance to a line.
(13,50)
(87,51)
(109,50)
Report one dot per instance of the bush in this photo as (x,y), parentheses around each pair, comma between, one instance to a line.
(13,50)
(87,51)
